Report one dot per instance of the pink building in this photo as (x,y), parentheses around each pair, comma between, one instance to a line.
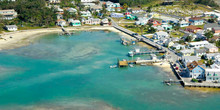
(211,48)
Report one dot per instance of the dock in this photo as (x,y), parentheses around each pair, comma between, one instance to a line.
(139,52)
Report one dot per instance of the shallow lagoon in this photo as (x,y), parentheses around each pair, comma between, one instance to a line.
(73,73)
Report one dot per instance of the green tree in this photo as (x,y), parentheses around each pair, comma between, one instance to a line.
(209,35)
(188,38)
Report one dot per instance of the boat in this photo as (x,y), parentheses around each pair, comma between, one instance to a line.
(143,64)
(130,65)
(113,66)
(168,84)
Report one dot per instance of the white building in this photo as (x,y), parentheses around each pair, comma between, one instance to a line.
(159,35)
(213,73)
(88,1)
(54,1)
(11,27)
(199,44)
(8,14)
(93,21)
(86,13)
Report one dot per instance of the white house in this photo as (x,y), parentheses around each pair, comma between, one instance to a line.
(178,46)
(54,1)
(8,14)
(187,52)
(213,73)
(72,10)
(61,22)
(211,48)
(88,1)
(86,13)
(213,56)
(198,44)
(93,21)
(159,35)
(11,27)
(199,52)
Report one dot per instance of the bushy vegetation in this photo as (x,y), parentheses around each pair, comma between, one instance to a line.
(31,12)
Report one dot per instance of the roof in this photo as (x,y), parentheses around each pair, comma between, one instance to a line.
(211,25)
(215,37)
(198,43)
(161,33)
(11,26)
(200,51)
(216,28)
(190,58)
(195,18)
(192,65)
(193,27)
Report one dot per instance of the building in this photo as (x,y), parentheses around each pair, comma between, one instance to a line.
(88,1)
(93,21)
(199,44)
(72,10)
(117,15)
(61,22)
(189,59)
(11,27)
(154,22)
(8,14)
(183,23)
(178,46)
(85,13)
(210,26)
(159,35)
(137,10)
(213,73)
(74,22)
(169,43)
(211,48)
(193,29)
(105,22)
(199,52)
(195,70)
(167,26)
(212,56)
(54,1)
(216,30)
(201,35)
(187,52)
(196,21)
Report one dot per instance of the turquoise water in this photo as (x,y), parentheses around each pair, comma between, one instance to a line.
(73,73)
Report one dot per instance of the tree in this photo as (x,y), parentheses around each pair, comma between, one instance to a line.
(209,62)
(142,28)
(209,35)
(188,38)
(211,20)
(125,6)
(217,43)
(149,9)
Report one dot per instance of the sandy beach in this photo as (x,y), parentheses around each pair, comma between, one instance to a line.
(10,40)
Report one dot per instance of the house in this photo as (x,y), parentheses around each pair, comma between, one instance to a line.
(11,27)
(85,13)
(74,22)
(199,52)
(210,26)
(137,10)
(211,48)
(189,59)
(8,14)
(105,22)
(195,70)
(212,56)
(110,6)
(117,15)
(141,21)
(212,75)
(198,44)
(130,17)
(196,21)
(93,21)
(183,23)
(167,26)
(201,35)
(178,46)
(59,16)
(187,52)
(72,10)
(169,43)
(88,1)
(216,30)
(54,1)
(154,22)
(159,35)
(193,29)
(215,38)
(61,22)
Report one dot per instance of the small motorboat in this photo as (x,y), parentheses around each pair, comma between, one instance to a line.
(143,64)
(168,84)
(130,65)
(113,66)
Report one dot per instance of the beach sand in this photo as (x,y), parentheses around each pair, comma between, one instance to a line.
(21,38)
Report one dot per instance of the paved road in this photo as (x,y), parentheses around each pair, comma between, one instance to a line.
(171,54)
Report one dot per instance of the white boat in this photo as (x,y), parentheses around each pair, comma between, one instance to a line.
(143,64)
(130,65)
(113,66)
(168,84)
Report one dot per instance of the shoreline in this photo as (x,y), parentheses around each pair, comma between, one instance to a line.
(11,40)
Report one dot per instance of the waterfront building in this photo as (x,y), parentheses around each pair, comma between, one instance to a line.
(213,73)
(93,21)
(11,27)
(159,35)
(105,22)
(196,21)
(195,70)
(199,44)
(8,14)
(61,22)
(74,22)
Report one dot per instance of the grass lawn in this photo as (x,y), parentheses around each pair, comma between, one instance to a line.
(201,26)
(177,34)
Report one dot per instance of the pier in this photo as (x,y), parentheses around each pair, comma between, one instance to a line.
(139,52)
